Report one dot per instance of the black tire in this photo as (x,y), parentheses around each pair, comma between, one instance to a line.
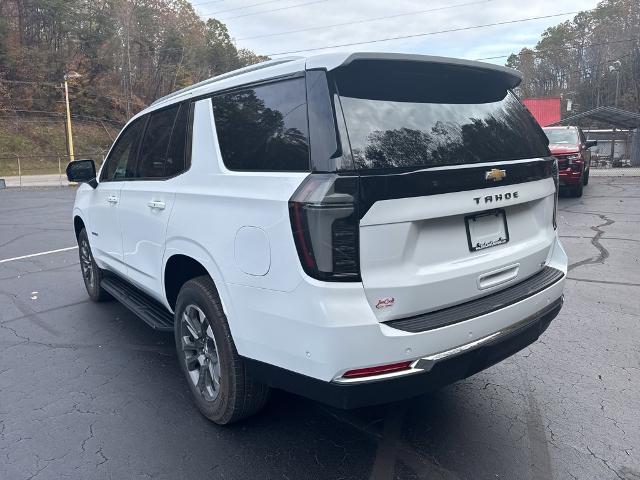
(577,190)
(91,273)
(585,181)
(238,395)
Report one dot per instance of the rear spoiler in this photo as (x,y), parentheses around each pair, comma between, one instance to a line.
(507,77)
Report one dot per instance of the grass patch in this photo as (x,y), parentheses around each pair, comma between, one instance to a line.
(41,147)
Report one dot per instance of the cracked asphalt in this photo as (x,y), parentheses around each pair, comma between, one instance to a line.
(87,391)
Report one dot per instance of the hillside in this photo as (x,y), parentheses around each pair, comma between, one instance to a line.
(38,142)
(120,55)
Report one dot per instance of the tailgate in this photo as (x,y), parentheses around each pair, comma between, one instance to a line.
(416,254)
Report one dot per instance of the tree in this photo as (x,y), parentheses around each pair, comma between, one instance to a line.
(573,59)
(129,52)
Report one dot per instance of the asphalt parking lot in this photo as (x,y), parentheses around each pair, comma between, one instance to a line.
(88,391)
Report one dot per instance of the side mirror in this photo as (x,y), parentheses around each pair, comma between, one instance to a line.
(82,171)
(590,143)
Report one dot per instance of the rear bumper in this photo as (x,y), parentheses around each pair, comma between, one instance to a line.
(322,331)
(429,373)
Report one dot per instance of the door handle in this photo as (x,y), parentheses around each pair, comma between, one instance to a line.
(157,204)
(112,199)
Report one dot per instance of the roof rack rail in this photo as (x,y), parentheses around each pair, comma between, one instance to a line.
(234,73)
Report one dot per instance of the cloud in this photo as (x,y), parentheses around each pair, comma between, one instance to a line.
(456,14)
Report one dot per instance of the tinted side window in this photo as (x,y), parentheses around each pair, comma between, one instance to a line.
(153,150)
(122,159)
(327,152)
(264,127)
(177,155)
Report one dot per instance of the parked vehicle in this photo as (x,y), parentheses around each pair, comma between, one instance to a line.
(355,228)
(570,146)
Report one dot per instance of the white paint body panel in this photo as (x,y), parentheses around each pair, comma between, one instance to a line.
(324,330)
(103,227)
(143,229)
(415,250)
(230,222)
(252,251)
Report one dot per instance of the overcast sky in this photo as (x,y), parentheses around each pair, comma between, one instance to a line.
(250,28)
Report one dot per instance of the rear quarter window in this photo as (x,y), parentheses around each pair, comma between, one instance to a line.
(264,128)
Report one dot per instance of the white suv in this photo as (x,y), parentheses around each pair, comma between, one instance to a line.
(355,228)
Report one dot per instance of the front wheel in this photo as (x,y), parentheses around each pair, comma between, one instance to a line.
(577,190)
(222,388)
(91,273)
(586,177)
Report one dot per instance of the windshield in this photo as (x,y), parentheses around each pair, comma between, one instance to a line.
(408,119)
(562,136)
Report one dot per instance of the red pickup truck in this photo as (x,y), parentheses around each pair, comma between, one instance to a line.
(570,146)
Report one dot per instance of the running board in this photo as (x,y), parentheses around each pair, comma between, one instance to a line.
(145,307)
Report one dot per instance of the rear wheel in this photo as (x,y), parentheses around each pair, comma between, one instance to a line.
(91,273)
(222,388)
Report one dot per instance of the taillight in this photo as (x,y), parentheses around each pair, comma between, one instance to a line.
(378,370)
(324,221)
(556,181)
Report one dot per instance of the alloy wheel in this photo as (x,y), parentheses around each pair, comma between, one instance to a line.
(200,352)
(86,264)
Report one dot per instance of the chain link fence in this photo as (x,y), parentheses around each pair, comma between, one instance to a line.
(40,170)
(605,166)
(617,153)
(49,170)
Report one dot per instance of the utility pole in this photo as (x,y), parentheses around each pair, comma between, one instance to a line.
(615,67)
(617,86)
(69,76)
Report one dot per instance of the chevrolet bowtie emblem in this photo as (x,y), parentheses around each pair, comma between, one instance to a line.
(495,174)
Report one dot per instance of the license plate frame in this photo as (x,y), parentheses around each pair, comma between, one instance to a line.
(477,244)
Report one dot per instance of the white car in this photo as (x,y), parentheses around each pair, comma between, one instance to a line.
(356,228)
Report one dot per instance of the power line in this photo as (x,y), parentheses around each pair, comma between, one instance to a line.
(587,67)
(71,85)
(365,20)
(204,3)
(415,35)
(33,99)
(542,50)
(97,95)
(30,82)
(100,57)
(275,9)
(58,114)
(53,121)
(13,157)
(532,52)
(241,8)
(141,50)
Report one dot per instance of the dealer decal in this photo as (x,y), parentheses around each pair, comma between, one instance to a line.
(385,302)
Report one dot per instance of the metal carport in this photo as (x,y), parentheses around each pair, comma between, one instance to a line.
(615,117)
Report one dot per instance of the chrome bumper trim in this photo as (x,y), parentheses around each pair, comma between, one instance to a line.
(425,364)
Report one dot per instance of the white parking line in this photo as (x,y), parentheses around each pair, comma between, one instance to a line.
(38,254)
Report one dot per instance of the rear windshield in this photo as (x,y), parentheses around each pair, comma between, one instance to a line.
(562,137)
(418,118)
